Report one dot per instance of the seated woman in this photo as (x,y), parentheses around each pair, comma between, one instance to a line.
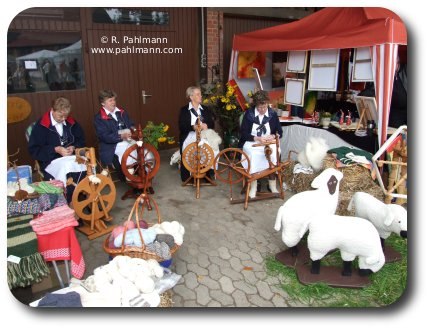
(52,143)
(188,115)
(260,124)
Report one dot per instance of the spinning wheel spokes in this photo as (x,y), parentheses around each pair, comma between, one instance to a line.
(230,165)
(198,158)
(87,195)
(144,160)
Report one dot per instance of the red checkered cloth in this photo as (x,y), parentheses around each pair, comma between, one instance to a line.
(63,245)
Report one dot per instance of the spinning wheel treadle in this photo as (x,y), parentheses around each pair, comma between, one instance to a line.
(146,163)
(201,156)
(230,165)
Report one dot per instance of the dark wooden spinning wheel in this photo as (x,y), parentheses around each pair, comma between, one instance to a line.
(140,164)
(230,167)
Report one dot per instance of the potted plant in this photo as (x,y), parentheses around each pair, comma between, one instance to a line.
(325,119)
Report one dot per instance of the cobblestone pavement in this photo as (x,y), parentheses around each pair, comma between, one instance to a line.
(222,259)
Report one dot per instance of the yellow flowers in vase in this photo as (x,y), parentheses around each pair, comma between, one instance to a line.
(154,134)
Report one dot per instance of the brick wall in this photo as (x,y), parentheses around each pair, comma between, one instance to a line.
(214,23)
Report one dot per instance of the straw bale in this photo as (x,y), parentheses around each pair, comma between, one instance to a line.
(166,299)
(355,178)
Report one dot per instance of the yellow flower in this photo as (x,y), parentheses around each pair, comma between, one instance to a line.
(233,106)
(166,128)
(229,93)
(228,107)
(171,142)
(162,139)
(249,93)
(205,101)
(224,100)
(213,98)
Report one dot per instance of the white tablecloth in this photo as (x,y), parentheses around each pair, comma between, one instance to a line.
(295,137)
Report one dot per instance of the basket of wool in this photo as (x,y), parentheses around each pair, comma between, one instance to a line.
(355,178)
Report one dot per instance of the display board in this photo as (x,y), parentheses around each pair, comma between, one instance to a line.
(294,91)
(297,61)
(362,65)
(323,72)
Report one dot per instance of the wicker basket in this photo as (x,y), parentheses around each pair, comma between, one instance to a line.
(142,202)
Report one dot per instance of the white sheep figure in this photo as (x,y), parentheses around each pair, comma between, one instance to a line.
(314,153)
(353,236)
(387,218)
(176,158)
(296,212)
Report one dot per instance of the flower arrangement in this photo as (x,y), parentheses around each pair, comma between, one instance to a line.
(154,134)
(225,106)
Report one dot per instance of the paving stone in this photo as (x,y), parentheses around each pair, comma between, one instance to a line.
(214,303)
(210,283)
(229,272)
(259,301)
(227,244)
(279,301)
(220,262)
(245,287)
(184,292)
(221,297)
(264,290)
(243,246)
(226,284)
(197,269)
(191,303)
(180,267)
(203,260)
(256,256)
(240,299)
(202,295)
(236,264)
(224,253)
(190,281)
(214,272)
(241,255)
(249,276)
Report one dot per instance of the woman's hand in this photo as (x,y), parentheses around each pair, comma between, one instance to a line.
(62,151)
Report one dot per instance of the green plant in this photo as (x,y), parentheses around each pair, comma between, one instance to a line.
(325,114)
(154,134)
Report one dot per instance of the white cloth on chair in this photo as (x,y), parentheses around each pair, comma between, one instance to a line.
(257,157)
(59,167)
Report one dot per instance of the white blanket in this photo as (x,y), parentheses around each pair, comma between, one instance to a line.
(61,166)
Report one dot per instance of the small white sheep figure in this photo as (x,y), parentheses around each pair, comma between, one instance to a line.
(297,211)
(353,236)
(176,158)
(314,153)
(387,218)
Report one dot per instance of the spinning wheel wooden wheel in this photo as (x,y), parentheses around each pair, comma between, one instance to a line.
(230,167)
(198,159)
(93,198)
(94,201)
(140,161)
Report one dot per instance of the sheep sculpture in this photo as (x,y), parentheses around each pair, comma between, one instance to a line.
(387,218)
(314,153)
(353,236)
(294,215)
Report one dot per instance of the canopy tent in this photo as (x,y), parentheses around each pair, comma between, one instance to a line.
(336,28)
(72,49)
(44,53)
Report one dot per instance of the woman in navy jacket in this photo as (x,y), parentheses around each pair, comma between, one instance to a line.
(108,122)
(46,143)
(55,135)
(260,124)
(188,117)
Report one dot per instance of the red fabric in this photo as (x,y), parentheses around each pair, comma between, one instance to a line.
(328,28)
(239,96)
(63,245)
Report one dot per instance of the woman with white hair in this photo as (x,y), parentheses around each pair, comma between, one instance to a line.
(187,120)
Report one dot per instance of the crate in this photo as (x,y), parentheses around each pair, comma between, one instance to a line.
(24,171)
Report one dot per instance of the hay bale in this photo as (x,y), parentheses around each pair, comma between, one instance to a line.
(166,299)
(355,178)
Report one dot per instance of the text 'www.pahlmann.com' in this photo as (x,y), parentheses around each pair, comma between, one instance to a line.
(135,50)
